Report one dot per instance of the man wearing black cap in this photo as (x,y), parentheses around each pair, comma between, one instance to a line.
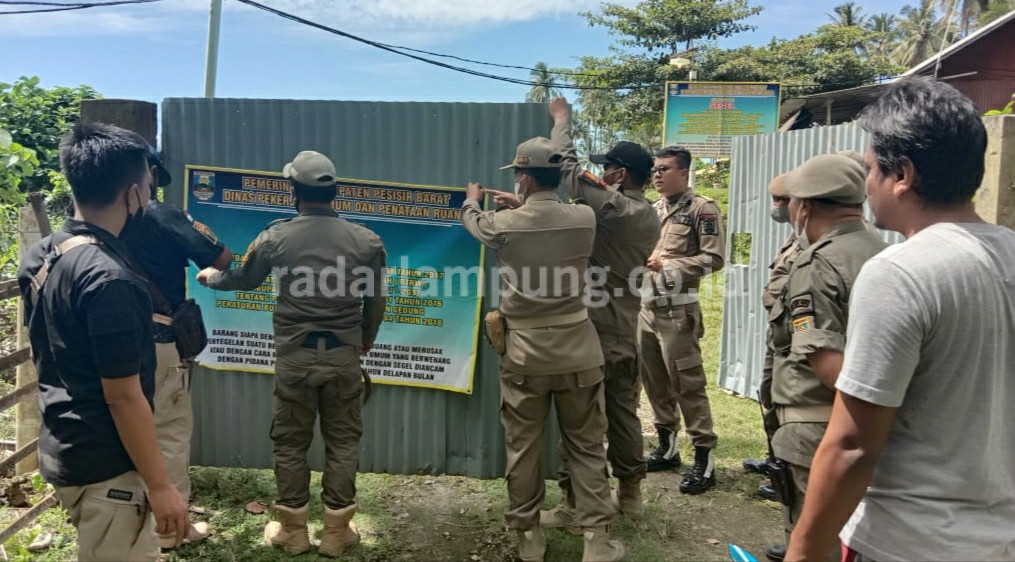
(161,243)
(329,274)
(626,232)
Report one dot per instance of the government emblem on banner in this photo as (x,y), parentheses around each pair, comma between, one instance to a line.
(204,185)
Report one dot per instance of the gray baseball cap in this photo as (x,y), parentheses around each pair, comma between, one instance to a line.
(311,168)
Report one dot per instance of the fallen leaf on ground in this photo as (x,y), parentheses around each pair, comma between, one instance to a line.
(256,507)
(41,542)
(713,542)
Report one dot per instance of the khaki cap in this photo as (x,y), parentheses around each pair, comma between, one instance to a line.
(537,152)
(834,177)
(311,168)
(777,187)
(854,155)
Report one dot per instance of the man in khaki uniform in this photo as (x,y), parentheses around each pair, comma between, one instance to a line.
(627,228)
(692,245)
(779,274)
(552,353)
(809,317)
(319,336)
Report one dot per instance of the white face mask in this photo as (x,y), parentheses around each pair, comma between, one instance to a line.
(780,214)
(518,192)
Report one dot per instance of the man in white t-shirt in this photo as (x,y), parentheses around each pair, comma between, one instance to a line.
(921,442)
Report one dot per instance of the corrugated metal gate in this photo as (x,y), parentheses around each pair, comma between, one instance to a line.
(756,160)
(406,430)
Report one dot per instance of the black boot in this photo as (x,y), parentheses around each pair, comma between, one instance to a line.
(767,491)
(776,552)
(701,477)
(666,456)
(756,466)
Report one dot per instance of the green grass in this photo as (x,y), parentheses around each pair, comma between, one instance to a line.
(456,518)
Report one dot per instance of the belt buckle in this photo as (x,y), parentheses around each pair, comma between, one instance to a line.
(662,301)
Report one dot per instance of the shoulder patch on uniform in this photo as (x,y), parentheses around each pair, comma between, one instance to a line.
(801,304)
(593,179)
(709,224)
(682,219)
(250,248)
(203,229)
(803,324)
(121,495)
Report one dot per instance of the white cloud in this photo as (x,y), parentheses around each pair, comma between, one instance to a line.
(426,18)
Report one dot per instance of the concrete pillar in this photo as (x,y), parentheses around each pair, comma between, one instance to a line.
(138,116)
(995,201)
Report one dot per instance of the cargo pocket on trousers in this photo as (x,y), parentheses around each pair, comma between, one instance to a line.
(110,521)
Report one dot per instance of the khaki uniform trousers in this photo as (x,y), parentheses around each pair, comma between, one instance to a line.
(174,416)
(671,370)
(113,519)
(308,382)
(625,452)
(796,443)
(580,404)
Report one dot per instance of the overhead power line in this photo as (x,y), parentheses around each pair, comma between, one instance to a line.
(64,7)
(397,50)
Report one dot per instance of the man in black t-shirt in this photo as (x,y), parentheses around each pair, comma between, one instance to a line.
(162,243)
(89,322)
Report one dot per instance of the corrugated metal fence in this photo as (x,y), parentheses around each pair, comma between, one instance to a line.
(406,430)
(756,160)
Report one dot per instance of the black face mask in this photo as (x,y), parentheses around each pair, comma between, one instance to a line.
(133,221)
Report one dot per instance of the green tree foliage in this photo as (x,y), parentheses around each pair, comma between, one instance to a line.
(36,119)
(921,34)
(834,57)
(546,80)
(647,35)
(995,9)
(16,164)
(847,15)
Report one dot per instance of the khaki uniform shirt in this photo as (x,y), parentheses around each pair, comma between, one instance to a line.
(329,276)
(779,268)
(627,228)
(811,314)
(692,244)
(543,239)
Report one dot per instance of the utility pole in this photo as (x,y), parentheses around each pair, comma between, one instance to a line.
(211,65)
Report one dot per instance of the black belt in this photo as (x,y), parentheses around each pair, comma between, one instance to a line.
(329,339)
(163,333)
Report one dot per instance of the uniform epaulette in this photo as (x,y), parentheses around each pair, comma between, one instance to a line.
(278,221)
(705,197)
(593,179)
(807,256)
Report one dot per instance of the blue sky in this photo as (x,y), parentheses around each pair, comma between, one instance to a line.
(155,51)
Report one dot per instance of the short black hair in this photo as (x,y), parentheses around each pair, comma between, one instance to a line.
(100,161)
(546,178)
(682,155)
(938,129)
(313,193)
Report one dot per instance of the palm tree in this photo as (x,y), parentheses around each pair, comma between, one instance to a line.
(967,10)
(996,9)
(885,25)
(847,15)
(545,88)
(921,34)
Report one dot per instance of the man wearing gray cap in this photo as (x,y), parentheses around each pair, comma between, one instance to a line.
(809,317)
(551,350)
(320,332)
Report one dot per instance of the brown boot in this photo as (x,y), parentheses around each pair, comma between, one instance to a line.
(628,500)
(599,547)
(290,531)
(531,545)
(339,531)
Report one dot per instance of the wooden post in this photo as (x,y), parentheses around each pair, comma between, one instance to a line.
(995,201)
(138,116)
(26,414)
